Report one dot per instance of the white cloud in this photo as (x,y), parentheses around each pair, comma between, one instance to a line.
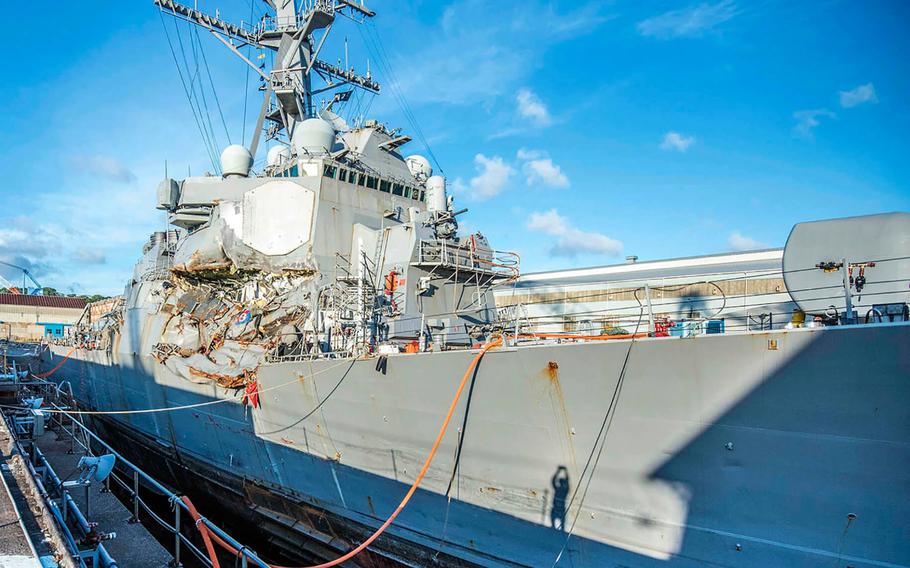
(493,175)
(531,107)
(693,21)
(676,141)
(539,169)
(860,95)
(807,120)
(737,241)
(103,166)
(78,239)
(570,241)
(90,256)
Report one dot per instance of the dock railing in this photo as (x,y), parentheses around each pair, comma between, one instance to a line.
(65,416)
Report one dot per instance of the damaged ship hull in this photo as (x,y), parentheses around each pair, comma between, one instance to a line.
(751,449)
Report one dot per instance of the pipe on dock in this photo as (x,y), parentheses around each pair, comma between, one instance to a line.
(72,508)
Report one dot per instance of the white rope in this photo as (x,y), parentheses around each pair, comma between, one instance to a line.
(172,408)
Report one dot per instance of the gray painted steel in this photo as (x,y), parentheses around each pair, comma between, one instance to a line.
(717,443)
(877,245)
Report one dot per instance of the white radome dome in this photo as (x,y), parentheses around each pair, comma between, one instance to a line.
(278,156)
(419,166)
(313,136)
(236,160)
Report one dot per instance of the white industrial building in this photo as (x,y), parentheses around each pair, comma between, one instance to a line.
(734,291)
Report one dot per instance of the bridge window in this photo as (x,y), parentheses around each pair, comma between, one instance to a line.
(329,171)
(407,191)
(342,174)
(397,189)
(371,182)
(384,186)
(422,195)
(361,179)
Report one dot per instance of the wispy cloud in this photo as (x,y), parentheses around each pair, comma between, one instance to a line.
(739,242)
(532,108)
(570,241)
(90,256)
(807,120)
(860,95)
(459,64)
(106,167)
(693,21)
(492,177)
(676,142)
(539,169)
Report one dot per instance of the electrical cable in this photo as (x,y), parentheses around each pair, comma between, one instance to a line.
(601,439)
(319,405)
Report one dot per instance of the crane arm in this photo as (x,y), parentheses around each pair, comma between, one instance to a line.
(25,273)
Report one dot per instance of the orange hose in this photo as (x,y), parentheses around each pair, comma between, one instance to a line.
(203,530)
(57,368)
(423,470)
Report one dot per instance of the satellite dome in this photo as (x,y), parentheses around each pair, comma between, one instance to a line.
(278,155)
(313,136)
(419,166)
(236,161)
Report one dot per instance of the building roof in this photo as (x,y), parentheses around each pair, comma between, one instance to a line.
(41,301)
(757,260)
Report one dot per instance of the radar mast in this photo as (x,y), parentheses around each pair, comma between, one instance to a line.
(291,32)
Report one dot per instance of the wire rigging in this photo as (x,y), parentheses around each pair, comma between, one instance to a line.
(374,44)
(246,85)
(208,72)
(193,40)
(183,81)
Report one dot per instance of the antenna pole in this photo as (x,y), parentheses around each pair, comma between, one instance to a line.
(289,33)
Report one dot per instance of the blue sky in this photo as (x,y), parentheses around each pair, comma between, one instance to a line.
(576,132)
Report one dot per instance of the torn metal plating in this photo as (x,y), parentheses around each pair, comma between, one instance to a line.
(220,326)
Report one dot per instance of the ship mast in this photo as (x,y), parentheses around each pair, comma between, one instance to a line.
(291,32)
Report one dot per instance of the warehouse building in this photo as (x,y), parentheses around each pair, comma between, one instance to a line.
(32,318)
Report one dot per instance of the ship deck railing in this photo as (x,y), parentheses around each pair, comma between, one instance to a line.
(446,258)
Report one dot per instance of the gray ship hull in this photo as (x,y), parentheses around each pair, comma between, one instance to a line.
(753,449)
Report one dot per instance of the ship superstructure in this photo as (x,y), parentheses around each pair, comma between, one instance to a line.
(341,244)
(287,350)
